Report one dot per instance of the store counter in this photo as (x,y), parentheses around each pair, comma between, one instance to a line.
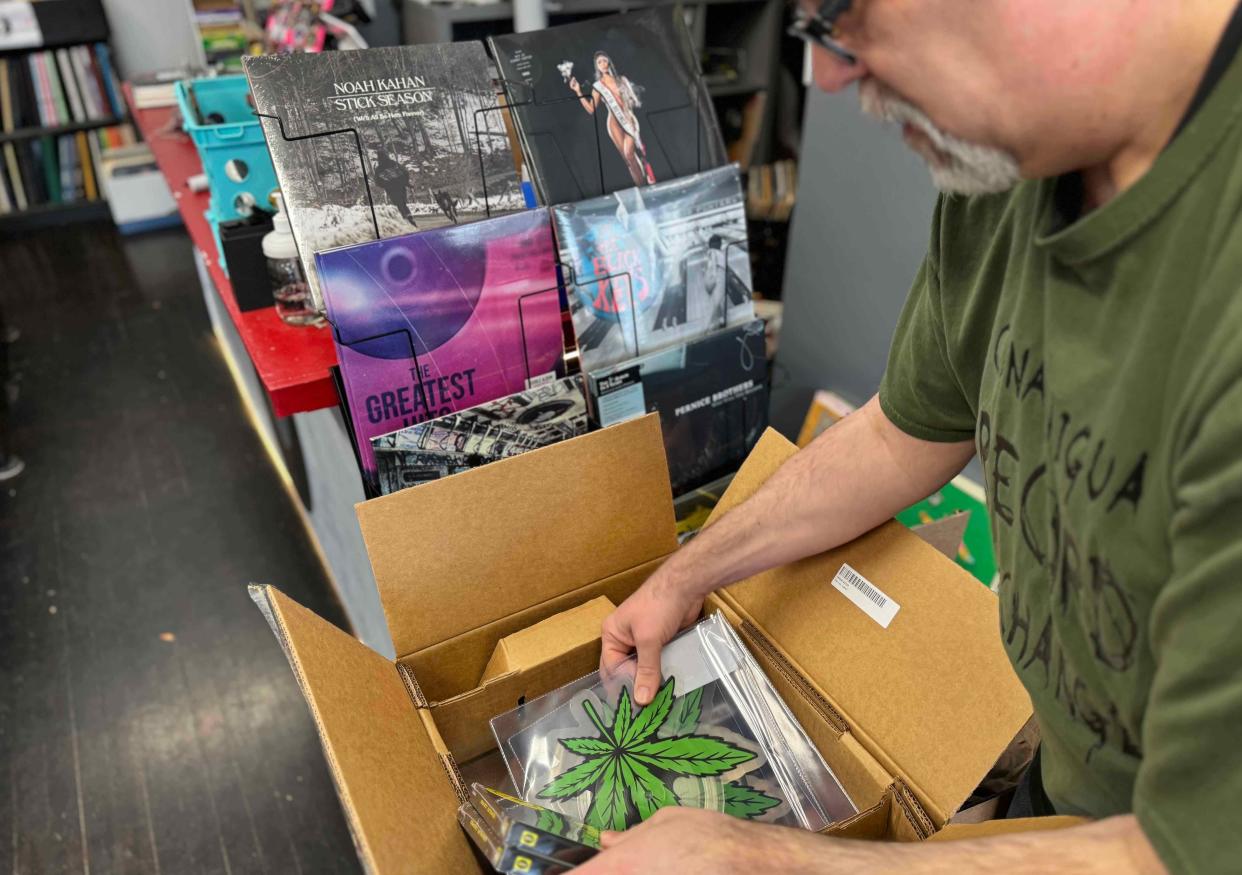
(282,373)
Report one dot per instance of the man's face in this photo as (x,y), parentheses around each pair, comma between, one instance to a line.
(986,91)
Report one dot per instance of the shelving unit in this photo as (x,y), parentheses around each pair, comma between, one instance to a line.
(751,28)
(30,133)
(62,24)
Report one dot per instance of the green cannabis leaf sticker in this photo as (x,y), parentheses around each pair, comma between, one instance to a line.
(630,766)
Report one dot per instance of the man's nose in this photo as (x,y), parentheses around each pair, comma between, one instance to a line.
(832,73)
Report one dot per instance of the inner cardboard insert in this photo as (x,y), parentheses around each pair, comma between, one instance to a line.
(460,712)
(453,667)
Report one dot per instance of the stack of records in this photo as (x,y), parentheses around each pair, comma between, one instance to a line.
(716,736)
(662,306)
(711,395)
(491,431)
(517,837)
(434,323)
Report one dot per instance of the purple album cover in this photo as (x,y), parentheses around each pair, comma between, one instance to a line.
(438,321)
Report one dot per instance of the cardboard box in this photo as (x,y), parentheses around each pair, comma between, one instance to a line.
(549,639)
(910,717)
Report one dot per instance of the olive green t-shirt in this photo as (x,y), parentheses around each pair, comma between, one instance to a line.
(1098,368)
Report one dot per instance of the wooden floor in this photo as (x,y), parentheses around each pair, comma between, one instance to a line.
(148,721)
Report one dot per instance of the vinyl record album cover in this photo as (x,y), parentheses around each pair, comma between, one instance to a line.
(414,113)
(609,103)
(711,395)
(656,266)
(432,323)
(491,431)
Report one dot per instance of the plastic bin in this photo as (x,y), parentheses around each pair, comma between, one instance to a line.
(235,159)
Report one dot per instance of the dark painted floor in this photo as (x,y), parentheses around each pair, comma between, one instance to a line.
(148,721)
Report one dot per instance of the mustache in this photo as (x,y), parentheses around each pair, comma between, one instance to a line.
(883,103)
(962,166)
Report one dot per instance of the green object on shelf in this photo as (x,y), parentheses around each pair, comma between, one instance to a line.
(975,553)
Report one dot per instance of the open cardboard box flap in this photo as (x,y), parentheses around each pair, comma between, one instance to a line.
(933,697)
(397,798)
(454,554)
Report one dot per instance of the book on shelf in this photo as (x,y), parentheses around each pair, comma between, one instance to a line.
(6,200)
(34,168)
(656,266)
(711,395)
(22,95)
(38,78)
(63,186)
(89,189)
(19,200)
(431,323)
(60,113)
(93,98)
(69,84)
(609,103)
(426,153)
(103,67)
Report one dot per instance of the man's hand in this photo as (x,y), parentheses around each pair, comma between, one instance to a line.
(645,622)
(797,513)
(682,841)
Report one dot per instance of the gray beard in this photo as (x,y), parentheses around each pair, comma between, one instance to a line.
(959,167)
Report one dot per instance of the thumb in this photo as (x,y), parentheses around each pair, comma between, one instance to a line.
(647,677)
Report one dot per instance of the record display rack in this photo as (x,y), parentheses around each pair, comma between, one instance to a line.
(63,24)
(292,362)
(747,32)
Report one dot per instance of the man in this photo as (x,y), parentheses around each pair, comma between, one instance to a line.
(1076,322)
(394,180)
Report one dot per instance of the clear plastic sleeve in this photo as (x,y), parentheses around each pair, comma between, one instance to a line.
(716,736)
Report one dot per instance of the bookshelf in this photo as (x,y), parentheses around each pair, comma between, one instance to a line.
(64,23)
(28,133)
(72,101)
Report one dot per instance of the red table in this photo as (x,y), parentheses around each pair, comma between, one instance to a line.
(292,361)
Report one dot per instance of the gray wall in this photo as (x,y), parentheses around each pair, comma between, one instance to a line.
(149,35)
(859,233)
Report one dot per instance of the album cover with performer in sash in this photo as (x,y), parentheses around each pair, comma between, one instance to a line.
(609,103)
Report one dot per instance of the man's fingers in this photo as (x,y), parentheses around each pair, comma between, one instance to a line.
(615,647)
(647,678)
(612,653)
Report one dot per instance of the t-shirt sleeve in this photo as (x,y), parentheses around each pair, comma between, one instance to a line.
(920,393)
(1189,787)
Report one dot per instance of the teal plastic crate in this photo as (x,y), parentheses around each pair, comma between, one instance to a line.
(230,142)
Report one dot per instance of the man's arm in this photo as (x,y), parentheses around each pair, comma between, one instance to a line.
(853,477)
(1115,846)
(680,840)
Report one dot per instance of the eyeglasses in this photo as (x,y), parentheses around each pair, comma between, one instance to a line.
(819,27)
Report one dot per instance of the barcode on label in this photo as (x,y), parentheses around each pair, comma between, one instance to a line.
(866,595)
(867,589)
